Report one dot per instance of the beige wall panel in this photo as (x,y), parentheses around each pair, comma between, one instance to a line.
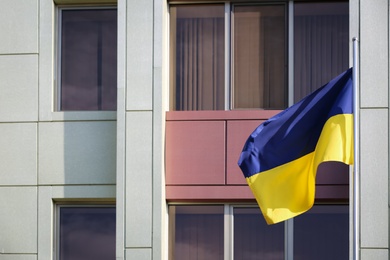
(46,58)
(139,254)
(84,193)
(19,226)
(138,177)
(374,53)
(374,254)
(139,55)
(18,158)
(374,178)
(121,132)
(18,257)
(77,153)
(18,87)
(19,26)
(45,223)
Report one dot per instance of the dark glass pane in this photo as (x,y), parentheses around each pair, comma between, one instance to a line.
(254,239)
(196,232)
(197,57)
(321,44)
(88,59)
(322,233)
(87,233)
(259,57)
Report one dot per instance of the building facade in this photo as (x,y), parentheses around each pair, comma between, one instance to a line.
(121,123)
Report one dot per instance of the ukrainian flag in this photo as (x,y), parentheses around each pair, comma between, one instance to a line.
(280,158)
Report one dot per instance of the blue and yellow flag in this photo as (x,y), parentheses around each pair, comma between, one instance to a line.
(280,158)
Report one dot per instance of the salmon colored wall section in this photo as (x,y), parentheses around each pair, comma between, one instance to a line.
(195,152)
(202,150)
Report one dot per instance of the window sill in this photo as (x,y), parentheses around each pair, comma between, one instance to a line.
(84,116)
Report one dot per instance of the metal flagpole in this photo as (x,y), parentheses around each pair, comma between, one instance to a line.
(356,166)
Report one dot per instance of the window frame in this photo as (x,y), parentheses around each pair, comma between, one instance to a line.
(47,49)
(69,204)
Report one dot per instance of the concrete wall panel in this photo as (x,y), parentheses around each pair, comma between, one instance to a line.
(77,153)
(18,87)
(139,254)
(139,55)
(374,178)
(18,154)
(377,254)
(19,26)
(374,53)
(18,257)
(139,179)
(18,220)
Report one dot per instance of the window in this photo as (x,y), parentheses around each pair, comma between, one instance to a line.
(87,69)
(239,232)
(196,232)
(240,56)
(253,238)
(86,232)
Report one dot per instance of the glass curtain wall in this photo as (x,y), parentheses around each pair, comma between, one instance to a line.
(199,232)
(257,56)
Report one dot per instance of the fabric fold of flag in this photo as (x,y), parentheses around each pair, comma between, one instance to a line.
(280,158)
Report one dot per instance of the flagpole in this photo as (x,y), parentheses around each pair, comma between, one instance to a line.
(356,166)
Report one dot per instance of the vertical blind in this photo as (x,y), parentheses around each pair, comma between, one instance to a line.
(198,83)
(259,57)
(321,47)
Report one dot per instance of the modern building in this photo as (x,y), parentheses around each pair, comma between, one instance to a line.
(121,123)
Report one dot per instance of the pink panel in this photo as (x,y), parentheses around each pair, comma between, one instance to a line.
(195,152)
(237,133)
(193,193)
(243,193)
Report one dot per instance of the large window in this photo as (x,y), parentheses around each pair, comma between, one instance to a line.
(87,78)
(254,56)
(86,232)
(230,232)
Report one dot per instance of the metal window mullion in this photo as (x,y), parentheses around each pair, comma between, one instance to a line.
(99,61)
(57,76)
(289,239)
(290,50)
(228,99)
(289,224)
(228,233)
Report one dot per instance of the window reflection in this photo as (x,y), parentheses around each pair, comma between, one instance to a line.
(196,232)
(87,233)
(197,57)
(88,59)
(254,239)
(322,233)
(259,56)
(321,44)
